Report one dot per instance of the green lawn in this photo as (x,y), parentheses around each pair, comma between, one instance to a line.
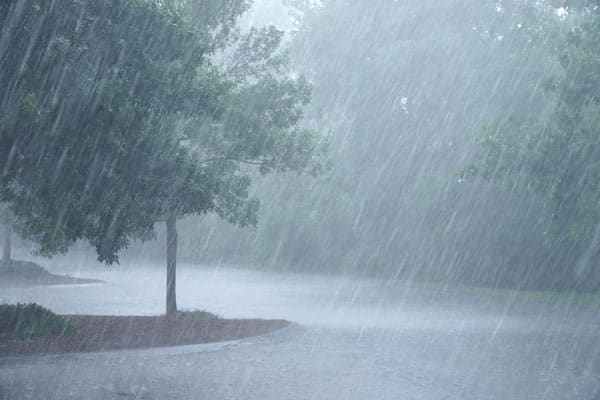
(590,299)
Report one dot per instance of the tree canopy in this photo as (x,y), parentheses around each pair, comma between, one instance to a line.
(555,156)
(118,112)
(401,86)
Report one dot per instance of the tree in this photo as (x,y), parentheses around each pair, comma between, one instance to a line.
(555,157)
(77,117)
(398,84)
(7,221)
(118,116)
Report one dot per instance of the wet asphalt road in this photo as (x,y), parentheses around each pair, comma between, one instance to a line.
(353,339)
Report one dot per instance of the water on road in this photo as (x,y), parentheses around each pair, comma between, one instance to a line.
(353,339)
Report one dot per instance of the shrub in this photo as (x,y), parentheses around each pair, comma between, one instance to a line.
(28,321)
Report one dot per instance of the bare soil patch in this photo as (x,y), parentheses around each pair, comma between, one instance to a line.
(101,333)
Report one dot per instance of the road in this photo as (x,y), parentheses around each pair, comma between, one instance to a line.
(352,339)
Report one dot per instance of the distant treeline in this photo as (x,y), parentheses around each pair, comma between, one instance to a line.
(405,91)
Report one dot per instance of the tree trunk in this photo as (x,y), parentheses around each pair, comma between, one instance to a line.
(7,245)
(171,264)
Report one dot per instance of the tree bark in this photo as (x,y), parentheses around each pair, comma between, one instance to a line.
(171,264)
(7,242)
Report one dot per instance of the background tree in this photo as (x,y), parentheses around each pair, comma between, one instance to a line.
(400,86)
(555,157)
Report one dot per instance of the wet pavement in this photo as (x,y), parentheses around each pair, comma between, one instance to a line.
(352,339)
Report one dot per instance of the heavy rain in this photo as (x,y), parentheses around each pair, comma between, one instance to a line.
(300,199)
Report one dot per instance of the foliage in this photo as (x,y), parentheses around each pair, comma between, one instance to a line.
(30,321)
(399,86)
(556,158)
(118,113)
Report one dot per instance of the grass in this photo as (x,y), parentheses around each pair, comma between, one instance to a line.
(30,321)
(22,268)
(573,298)
(196,314)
